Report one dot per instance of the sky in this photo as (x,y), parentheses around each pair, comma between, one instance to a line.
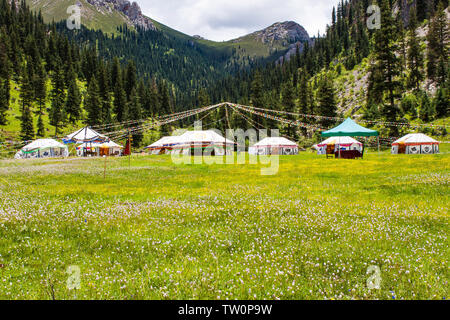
(223,20)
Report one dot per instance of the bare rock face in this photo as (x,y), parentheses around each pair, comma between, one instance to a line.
(131,10)
(290,32)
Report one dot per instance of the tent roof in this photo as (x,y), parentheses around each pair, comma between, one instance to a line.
(86,135)
(43,144)
(209,136)
(416,138)
(350,128)
(340,141)
(276,141)
(165,141)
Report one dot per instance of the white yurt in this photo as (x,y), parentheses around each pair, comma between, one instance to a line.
(344,143)
(208,142)
(43,148)
(164,145)
(415,143)
(274,146)
(99,149)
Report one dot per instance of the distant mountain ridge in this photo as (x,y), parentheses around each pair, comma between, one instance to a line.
(108,15)
(130,10)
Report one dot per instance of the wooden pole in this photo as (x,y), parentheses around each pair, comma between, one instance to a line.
(378,140)
(104,172)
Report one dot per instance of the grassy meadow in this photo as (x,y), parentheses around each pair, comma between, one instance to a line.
(156,230)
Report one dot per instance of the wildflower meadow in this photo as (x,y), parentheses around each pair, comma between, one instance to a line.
(319,229)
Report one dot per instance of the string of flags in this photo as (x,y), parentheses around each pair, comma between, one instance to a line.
(381,123)
(296,123)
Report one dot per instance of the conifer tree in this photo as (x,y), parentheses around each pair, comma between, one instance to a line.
(288,103)
(72,105)
(40,86)
(130,78)
(40,127)
(26,88)
(135,113)
(257,91)
(154,102)
(304,104)
(5,67)
(92,104)
(58,98)
(438,46)
(104,91)
(442,103)
(426,110)
(326,97)
(120,101)
(415,54)
(384,80)
(26,125)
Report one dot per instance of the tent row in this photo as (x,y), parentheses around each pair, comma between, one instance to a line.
(340,143)
(87,142)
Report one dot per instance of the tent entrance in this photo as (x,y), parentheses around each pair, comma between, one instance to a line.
(401,148)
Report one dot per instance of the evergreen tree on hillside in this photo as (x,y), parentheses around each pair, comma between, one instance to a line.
(26,125)
(304,97)
(92,104)
(26,88)
(326,101)
(415,54)
(40,127)
(72,106)
(104,91)
(438,46)
(4,101)
(120,100)
(40,86)
(58,98)
(135,113)
(442,103)
(5,68)
(154,102)
(257,91)
(384,82)
(130,78)
(427,112)
(288,103)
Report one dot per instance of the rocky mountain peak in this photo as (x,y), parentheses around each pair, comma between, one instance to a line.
(130,9)
(288,31)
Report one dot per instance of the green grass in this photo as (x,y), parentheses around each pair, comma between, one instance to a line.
(163,231)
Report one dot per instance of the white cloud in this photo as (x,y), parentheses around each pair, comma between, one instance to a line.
(227,19)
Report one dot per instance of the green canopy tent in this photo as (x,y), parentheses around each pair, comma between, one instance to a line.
(350,128)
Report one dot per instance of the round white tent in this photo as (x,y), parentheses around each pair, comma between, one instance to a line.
(344,143)
(209,142)
(43,148)
(99,149)
(415,143)
(164,145)
(274,146)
